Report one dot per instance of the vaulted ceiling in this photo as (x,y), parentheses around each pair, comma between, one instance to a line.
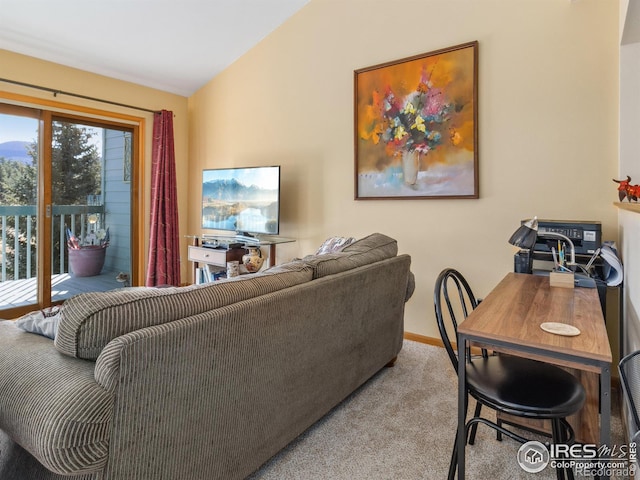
(172,46)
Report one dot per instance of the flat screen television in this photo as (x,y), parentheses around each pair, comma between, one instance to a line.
(242,200)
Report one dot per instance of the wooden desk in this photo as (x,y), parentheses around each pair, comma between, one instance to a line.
(508,320)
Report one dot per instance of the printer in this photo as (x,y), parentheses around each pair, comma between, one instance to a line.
(586,236)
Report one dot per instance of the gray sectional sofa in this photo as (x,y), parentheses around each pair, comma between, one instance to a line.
(198,382)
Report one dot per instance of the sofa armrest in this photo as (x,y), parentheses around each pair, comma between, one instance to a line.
(411,286)
(51,405)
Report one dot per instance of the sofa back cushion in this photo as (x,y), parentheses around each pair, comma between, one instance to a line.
(364,251)
(91,320)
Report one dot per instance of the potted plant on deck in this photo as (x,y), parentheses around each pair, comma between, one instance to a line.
(86,256)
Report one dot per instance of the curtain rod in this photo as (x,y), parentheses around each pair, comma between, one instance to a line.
(85,97)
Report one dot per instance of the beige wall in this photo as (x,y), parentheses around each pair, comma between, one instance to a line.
(548,122)
(630,165)
(36,72)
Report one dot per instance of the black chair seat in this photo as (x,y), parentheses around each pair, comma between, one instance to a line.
(524,387)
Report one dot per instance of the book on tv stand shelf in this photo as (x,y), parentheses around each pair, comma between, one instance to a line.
(209,273)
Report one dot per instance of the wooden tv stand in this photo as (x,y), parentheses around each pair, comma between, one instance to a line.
(220,256)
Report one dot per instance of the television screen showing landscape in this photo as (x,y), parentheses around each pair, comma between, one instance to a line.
(244,200)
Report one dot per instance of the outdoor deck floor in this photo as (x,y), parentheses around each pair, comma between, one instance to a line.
(18,293)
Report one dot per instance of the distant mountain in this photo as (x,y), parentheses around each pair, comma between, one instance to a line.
(15,150)
(232,190)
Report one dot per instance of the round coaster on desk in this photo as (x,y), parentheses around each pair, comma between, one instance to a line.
(560,329)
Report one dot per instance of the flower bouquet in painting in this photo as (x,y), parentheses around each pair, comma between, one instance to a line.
(87,255)
(411,126)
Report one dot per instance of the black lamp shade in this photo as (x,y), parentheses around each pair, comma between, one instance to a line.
(525,236)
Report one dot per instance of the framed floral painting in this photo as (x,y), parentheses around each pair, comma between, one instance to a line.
(416,126)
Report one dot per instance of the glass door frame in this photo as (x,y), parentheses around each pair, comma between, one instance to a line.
(46,112)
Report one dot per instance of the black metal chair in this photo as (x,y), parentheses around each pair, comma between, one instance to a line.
(517,386)
(629,368)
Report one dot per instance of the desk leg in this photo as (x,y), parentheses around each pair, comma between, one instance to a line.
(605,407)
(462,407)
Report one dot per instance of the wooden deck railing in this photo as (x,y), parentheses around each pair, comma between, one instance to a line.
(24,227)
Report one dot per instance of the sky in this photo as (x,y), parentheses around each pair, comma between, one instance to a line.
(13,127)
(17,128)
(264,177)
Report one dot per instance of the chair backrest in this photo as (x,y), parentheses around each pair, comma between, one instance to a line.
(629,368)
(451,311)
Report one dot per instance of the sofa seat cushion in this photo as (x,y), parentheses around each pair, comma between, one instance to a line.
(364,251)
(91,320)
(51,405)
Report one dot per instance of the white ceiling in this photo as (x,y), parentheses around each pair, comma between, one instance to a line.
(172,46)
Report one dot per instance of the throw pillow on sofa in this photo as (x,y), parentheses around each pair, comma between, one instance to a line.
(334,244)
(43,322)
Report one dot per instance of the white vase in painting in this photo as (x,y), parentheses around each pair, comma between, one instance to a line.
(410,166)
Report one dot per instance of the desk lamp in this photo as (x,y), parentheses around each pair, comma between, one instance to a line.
(525,237)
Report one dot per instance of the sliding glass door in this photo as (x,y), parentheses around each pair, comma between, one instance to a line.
(65,207)
(19,146)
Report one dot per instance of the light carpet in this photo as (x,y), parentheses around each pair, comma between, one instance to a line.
(400,425)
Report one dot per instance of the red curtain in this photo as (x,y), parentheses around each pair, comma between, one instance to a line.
(164,245)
